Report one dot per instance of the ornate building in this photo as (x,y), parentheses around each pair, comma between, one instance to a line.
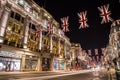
(78,57)
(114,43)
(26,43)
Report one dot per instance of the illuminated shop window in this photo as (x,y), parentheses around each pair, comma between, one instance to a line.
(14,34)
(33,40)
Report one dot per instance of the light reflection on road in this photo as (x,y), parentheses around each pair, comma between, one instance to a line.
(75,75)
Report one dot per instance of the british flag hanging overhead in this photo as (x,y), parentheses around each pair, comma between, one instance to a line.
(105,14)
(83,20)
(50,27)
(38,30)
(89,52)
(103,51)
(65,24)
(96,51)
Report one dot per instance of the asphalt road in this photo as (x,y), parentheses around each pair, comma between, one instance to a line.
(72,75)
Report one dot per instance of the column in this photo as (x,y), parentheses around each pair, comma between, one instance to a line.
(26,32)
(40,39)
(65,49)
(58,64)
(23,62)
(51,46)
(65,65)
(3,22)
(39,67)
(51,64)
(59,46)
(65,55)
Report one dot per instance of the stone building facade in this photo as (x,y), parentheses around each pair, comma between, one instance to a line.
(25,42)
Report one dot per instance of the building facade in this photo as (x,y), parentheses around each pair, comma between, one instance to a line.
(26,44)
(78,57)
(114,42)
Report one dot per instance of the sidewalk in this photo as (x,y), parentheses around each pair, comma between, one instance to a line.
(22,72)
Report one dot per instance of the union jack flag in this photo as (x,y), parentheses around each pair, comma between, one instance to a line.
(83,52)
(38,30)
(83,20)
(103,50)
(105,14)
(96,51)
(65,24)
(102,58)
(97,58)
(89,52)
(50,27)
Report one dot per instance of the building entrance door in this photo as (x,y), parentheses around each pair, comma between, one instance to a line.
(45,64)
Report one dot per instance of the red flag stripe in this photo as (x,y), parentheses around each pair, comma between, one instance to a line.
(65,23)
(83,20)
(50,27)
(38,29)
(105,14)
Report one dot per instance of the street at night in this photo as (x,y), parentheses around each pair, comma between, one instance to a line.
(71,75)
(59,40)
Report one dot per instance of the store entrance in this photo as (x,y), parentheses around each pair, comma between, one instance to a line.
(46,64)
(8,64)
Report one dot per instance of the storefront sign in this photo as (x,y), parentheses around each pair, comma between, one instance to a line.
(10,54)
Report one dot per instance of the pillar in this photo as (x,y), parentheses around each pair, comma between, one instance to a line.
(65,49)
(39,67)
(59,46)
(40,39)
(26,32)
(51,46)
(51,64)
(3,22)
(23,62)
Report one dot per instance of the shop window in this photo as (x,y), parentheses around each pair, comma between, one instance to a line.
(16,27)
(14,39)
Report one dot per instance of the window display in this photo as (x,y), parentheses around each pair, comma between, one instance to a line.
(8,64)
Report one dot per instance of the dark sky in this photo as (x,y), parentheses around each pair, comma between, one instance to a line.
(97,35)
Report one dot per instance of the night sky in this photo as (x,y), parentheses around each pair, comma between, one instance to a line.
(97,34)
